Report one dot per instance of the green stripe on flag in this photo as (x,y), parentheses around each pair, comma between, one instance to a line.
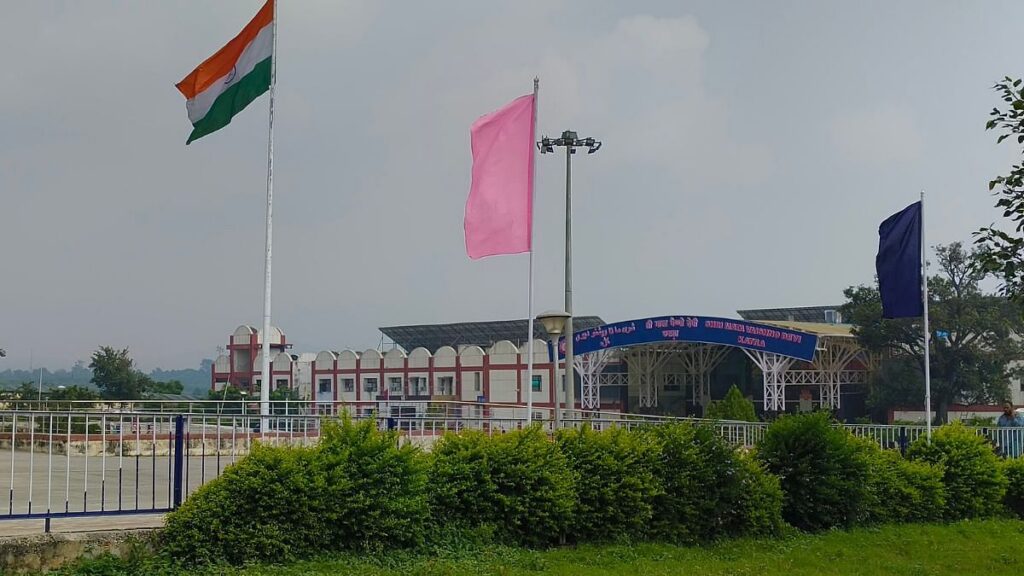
(233,100)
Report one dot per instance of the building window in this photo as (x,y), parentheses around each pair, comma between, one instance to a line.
(348,384)
(562,378)
(281,383)
(324,385)
(418,385)
(369,384)
(537,383)
(477,386)
(445,385)
(395,385)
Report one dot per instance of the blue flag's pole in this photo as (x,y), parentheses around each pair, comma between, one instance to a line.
(927,333)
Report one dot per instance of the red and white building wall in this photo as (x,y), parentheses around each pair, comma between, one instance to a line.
(329,380)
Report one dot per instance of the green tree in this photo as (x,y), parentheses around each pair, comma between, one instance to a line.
(970,361)
(283,401)
(734,406)
(1003,252)
(114,373)
(169,387)
(72,398)
(23,397)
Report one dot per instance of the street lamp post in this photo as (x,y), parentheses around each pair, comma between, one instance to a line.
(554,324)
(570,141)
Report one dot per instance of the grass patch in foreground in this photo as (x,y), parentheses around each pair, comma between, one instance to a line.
(978,547)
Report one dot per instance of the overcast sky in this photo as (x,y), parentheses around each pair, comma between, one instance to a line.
(750,151)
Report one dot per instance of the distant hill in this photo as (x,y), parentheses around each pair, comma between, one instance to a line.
(195,381)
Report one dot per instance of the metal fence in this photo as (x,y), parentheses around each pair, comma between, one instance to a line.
(81,462)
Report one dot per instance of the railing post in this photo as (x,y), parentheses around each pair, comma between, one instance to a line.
(903,440)
(179,457)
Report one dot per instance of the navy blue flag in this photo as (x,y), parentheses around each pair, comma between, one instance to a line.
(898,264)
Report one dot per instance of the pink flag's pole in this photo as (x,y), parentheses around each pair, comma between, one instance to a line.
(529,330)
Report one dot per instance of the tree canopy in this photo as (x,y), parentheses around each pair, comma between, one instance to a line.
(734,406)
(1002,252)
(973,338)
(114,373)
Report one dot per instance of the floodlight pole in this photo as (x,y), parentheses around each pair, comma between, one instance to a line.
(570,375)
(570,141)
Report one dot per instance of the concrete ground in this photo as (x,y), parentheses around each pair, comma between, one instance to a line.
(38,482)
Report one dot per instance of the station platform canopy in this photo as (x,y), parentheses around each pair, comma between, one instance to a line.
(787,353)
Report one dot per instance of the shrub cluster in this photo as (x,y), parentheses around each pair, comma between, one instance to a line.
(1014,498)
(708,489)
(823,470)
(361,490)
(356,490)
(971,472)
(902,490)
(616,483)
(517,484)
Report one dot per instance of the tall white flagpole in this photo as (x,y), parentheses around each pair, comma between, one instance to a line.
(927,332)
(529,322)
(265,383)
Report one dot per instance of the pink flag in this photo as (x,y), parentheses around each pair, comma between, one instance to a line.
(499,211)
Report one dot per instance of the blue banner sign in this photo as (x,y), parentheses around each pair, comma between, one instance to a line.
(699,329)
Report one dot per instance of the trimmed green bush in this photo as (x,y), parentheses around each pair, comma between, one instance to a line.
(902,490)
(375,491)
(356,490)
(518,482)
(823,471)
(735,406)
(615,483)
(265,508)
(1013,469)
(974,480)
(703,481)
(460,489)
(534,488)
(758,512)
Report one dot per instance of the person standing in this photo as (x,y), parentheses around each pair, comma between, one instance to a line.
(1010,440)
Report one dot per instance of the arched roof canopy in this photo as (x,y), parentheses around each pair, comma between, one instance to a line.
(696,329)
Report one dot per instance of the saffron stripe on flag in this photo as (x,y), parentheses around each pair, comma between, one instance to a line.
(220,64)
(258,50)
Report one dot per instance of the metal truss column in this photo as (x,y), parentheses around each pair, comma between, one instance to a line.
(831,362)
(699,361)
(773,368)
(644,362)
(589,367)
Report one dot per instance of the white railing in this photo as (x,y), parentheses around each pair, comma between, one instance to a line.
(91,462)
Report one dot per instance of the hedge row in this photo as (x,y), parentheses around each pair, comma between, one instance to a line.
(831,478)
(360,490)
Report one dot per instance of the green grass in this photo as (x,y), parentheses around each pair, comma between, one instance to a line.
(983,547)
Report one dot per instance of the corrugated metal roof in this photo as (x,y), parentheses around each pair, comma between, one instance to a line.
(482,334)
(816,328)
(812,314)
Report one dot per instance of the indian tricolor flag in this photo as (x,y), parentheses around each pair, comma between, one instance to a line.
(228,81)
